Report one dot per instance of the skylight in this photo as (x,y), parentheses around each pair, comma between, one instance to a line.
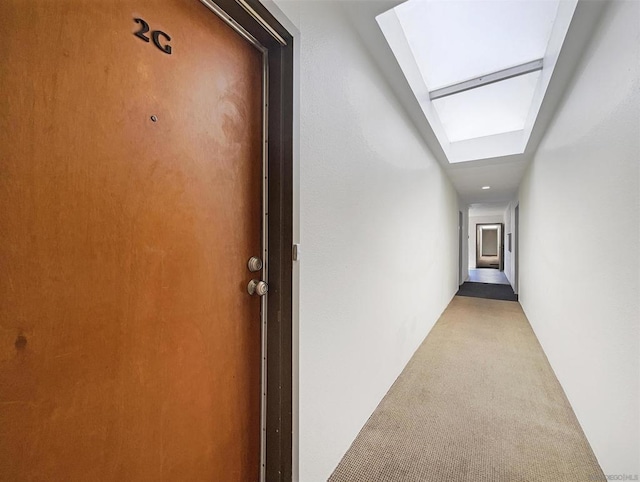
(480,68)
(491,109)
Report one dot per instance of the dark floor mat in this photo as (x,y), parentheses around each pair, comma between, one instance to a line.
(488,291)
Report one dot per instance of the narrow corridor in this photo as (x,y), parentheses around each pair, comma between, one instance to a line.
(477,402)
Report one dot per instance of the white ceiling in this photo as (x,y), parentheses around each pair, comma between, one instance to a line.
(487,209)
(502,174)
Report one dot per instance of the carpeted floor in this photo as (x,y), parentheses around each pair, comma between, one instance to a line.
(487,290)
(478,402)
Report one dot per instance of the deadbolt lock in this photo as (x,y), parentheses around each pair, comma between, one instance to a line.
(254,264)
(257,287)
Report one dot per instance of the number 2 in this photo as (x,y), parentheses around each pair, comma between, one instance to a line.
(144,28)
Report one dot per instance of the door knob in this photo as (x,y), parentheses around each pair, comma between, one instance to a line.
(257,287)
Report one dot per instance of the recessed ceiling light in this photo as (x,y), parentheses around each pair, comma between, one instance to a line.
(486,187)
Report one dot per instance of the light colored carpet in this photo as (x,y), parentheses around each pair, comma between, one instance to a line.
(478,402)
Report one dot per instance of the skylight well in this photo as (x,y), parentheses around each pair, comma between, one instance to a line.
(479,69)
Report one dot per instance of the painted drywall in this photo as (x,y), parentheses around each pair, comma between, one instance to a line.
(510,255)
(464,266)
(379,238)
(579,285)
(489,242)
(473,222)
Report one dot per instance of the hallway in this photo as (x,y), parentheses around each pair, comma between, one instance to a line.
(383,214)
(241,240)
(477,402)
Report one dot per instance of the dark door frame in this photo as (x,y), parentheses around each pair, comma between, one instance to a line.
(257,21)
(501,243)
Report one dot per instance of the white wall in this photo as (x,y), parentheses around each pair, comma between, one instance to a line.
(464,268)
(473,222)
(579,285)
(509,256)
(378,237)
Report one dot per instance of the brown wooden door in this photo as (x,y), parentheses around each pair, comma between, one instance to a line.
(130,201)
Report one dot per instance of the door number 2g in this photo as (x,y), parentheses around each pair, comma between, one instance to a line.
(155,36)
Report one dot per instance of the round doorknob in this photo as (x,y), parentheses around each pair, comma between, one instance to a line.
(257,287)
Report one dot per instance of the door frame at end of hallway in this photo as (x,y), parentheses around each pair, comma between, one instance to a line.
(253,21)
